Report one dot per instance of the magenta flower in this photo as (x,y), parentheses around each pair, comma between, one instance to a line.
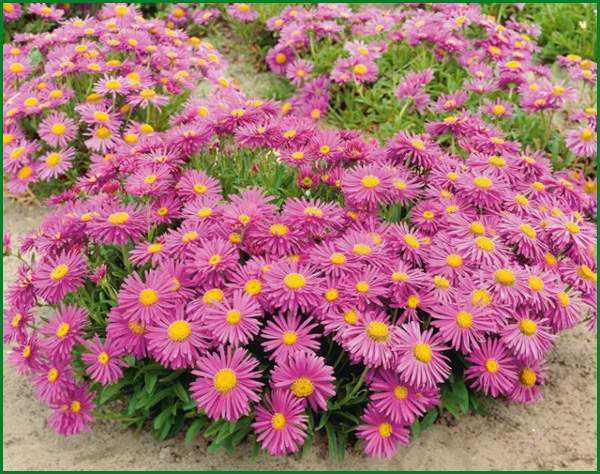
(371,340)
(57,129)
(103,360)
(64,331)
(292,287)
(380,434)
(280,425)
(401,402)
(118,224)
(307,377)
(235,320)
(72,411)
(420,358)
(56,276)
(175,339)
(287,335)
(528,337)
(149,300)
(494,370)
(226,383)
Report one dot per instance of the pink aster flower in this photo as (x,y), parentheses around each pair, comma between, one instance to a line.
(371,340)
(72,411)
(287,335)
(298,71)
(226,383)
(16,323)
(56,163)
(494,370)
(462,325)
(367,186)
(380,434)
(26,356)
(53,381)
(280,424)
(307,377)
(176,339)
(103,360)
(401,402)
(528,337)
(64,331)
(235,320)
(214,260)
(242,11)
(582,141)
(118,224)
(531,379)
(292,287)
(56,276)
(147,300)
(419,355)
(196,183)
(57,129)
(126,333)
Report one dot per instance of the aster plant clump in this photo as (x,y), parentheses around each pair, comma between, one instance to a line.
(246,271)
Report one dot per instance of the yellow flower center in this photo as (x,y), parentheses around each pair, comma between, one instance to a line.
(563,298)
(253,287)
(422,352)
(118,218)
(214,295)
(497,161)
(528,231)
(331,294)
(31,102)
(587,273)
(485,244)
(400,276)
(482,182)
(289,338)
(148,297)
(411,241)
(53,159)
(413,301)
(361,249)
(401,392)
(498,109)
(103,358)
(279,229)
(302,387)
(481,297)
(351,317)
(572,228)
(477,228)
(370,181)
(337,258)
(385,430)
(58,129)
(294,281)
(135,328)
(418,144)
(25,172)
(103,133)
(62,330)
(378,331)
(214,260)
(26,352)
(527,377)
(147,93)
(189,236)
(441,282)
(179,331)
(492,366)
(225,381)
(313,211)
(278,421)
(360,69)
(52,375)
(527,327)
(16,320)
(587,134)
(59,272)
(454,260)
(505,277)
(428,215)
(521,200)
(324,149)
(280,58)
(464,319)
(233,317)
(536,283)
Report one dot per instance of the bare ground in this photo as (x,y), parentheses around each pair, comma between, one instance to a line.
(557,433)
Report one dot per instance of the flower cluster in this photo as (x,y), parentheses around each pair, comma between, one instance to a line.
(379,266)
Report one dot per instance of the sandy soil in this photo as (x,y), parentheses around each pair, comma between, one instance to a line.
(557,433)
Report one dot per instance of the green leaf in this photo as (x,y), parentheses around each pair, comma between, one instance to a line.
(429,418)
(35,57)
(111,390)
(461,395)
(331,441)
(416,429)
(150,382)
(193,430)
(150,402)
(181,392)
